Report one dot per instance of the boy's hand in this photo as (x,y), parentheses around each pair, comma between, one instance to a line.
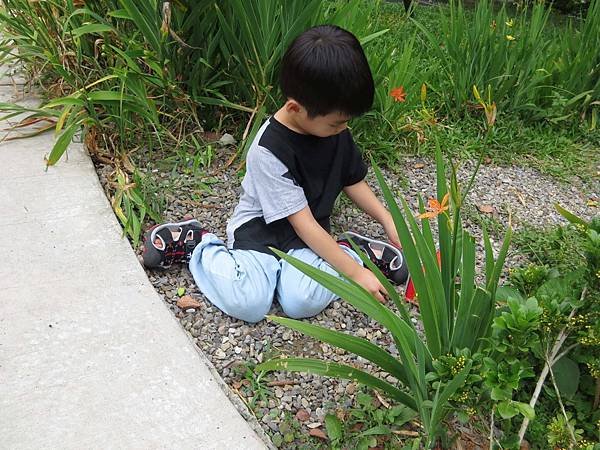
(369,281)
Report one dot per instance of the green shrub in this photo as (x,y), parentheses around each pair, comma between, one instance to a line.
(456,316)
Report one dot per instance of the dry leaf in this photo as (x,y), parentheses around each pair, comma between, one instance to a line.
(302,415)
(487,160)
(592,203)
(187,302)
(419,165)
(236,385)
(318,433)
(487,209)
(357,427)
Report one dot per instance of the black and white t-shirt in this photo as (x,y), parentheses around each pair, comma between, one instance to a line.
(286,171)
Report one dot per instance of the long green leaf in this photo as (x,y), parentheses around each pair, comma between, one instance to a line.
(338,371)
(91,28)
(467,284)
(569,215)
(358,297)
(434,313)
(62,143)
(413,262)
(358,346)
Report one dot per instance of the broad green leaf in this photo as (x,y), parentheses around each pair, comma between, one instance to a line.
(504,292)
(566,373)
(525,410)
(507,409)
(333,426)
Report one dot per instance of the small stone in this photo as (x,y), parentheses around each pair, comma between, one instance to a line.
(220,354)
(187,302)
(278,392)
(314,425)
(351,389)
(361,333)
(226,346)
(226,140)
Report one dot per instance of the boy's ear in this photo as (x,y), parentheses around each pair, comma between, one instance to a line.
(292,106)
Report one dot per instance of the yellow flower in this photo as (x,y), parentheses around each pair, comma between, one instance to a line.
(510,37)
(509,23)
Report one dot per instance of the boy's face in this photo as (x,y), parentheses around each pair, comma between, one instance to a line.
(320,126)
(323,126)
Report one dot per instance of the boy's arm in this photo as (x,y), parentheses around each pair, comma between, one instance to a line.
(320,242)
(363,197)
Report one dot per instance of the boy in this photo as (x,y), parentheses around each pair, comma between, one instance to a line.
(299,162)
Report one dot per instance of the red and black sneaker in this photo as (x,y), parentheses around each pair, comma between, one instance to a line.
(385,256)
(170,243)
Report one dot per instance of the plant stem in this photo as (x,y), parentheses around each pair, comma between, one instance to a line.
(562,407)
(492,430)
(550,361)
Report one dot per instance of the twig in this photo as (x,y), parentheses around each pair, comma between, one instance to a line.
(405,433)
(562,407)
(550,361)
(492,430)
(381,400)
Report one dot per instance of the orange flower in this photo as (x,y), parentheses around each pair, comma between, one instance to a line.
(398,94)
(435,208)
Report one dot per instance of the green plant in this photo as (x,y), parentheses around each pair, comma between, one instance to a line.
(367,423)
(490,48)
(455,316)
(576,70)
(560,429)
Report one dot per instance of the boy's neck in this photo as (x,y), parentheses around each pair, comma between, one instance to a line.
(287,119)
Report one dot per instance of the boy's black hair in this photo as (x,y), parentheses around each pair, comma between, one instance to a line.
(325,70)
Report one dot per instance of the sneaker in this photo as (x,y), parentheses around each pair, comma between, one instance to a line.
(170,243)
(385,256)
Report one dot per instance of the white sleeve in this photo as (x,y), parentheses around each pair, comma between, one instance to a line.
(274,186)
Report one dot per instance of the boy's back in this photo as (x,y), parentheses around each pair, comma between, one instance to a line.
(286,171)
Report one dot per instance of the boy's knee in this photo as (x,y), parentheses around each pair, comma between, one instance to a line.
(250,308)
(302,304)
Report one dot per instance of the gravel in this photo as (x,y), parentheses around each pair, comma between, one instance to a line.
(231,345)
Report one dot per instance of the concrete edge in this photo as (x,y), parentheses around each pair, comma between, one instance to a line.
(233,398)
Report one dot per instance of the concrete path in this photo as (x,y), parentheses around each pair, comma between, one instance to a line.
(90,357)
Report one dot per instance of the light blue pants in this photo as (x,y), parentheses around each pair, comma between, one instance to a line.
(242,283)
